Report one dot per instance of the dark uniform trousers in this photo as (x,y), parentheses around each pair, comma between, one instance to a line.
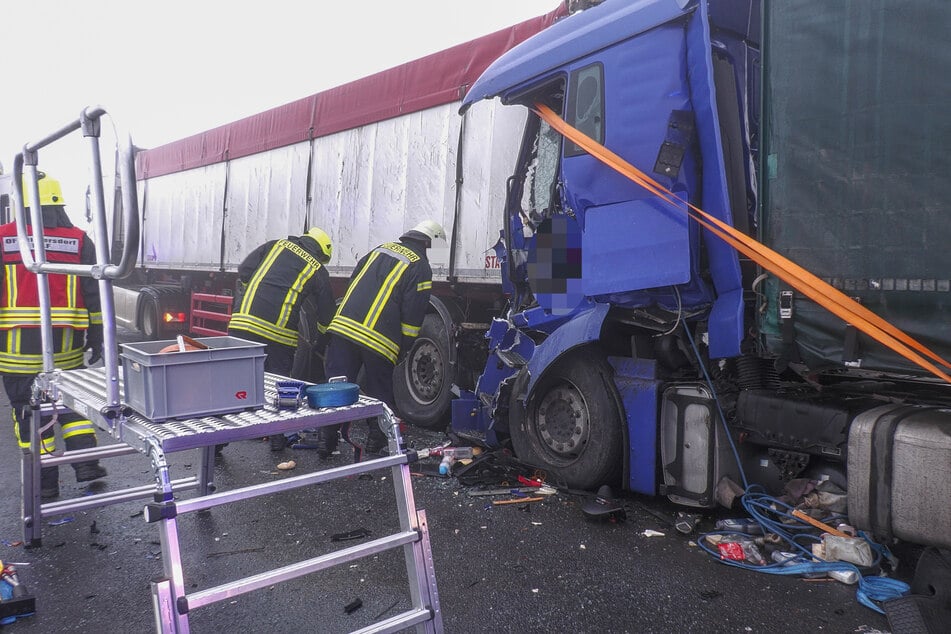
(345,358)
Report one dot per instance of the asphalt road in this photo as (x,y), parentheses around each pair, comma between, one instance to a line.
(521,568)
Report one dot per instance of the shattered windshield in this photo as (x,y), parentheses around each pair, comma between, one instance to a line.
(541,172)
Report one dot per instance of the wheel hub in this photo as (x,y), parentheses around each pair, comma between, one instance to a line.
(426,371)
(562,421)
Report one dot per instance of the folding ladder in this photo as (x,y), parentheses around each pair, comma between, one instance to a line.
(94,393)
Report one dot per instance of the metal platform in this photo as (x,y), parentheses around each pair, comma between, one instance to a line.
(82,391)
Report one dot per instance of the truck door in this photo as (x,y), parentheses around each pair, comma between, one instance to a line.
(578,228)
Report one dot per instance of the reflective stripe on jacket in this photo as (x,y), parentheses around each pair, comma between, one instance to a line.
(74,302)
(279,274)
(386,299)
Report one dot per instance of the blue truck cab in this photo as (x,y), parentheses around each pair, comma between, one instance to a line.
(601,271)
(639,349)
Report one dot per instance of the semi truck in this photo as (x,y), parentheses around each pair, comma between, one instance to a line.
(611,330)
(680,161)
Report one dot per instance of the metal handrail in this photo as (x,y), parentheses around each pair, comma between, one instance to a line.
(33,252)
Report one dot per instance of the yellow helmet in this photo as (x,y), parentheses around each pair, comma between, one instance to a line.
(50,191)
(323,242)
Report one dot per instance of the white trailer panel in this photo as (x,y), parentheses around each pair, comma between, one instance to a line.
(369,185)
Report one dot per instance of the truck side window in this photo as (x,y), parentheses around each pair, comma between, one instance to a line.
(586,105)
(540,178)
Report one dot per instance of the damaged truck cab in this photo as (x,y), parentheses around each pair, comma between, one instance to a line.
(638,347)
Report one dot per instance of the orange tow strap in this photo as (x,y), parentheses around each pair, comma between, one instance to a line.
(799,278)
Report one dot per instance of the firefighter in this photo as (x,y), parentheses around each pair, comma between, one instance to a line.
(378,320)
(77,327)
(280,277)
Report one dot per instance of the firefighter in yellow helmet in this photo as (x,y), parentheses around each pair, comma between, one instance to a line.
(379,319)
(280,277)
(77,327)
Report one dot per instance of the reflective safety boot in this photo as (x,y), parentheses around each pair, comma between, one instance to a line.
(49,482)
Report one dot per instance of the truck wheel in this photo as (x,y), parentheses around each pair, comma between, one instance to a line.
(421,383)
(150,318)
(572,423)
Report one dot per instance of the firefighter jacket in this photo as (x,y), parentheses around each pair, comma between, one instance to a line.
(280,275)
(386,299)
(74,301)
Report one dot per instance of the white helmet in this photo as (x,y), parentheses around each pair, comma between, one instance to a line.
(428,230)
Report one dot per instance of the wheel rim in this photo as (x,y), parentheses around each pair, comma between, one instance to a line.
(562,422)
(150,321)
(425,372)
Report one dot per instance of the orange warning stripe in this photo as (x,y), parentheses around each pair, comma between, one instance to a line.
(799,278)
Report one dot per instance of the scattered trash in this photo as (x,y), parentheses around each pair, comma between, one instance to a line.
(353,606)
(604,506)
(836,553)
(741,551)
(851,549)
(652,533)
(820,525)
(543,490)
(287,466)
(745,525)
(686,522)
(517,500)
(848,577)
(16,599)
(65,520)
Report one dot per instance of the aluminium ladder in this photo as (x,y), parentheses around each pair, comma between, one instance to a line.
(94,393)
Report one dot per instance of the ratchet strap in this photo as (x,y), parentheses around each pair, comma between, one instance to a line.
(799,278)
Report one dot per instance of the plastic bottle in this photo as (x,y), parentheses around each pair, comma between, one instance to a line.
(446,464)
(458,453)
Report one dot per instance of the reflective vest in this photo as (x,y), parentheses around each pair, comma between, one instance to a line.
(270,306)
(386,300)
(21,346)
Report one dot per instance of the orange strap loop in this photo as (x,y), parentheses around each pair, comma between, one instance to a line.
(799,278)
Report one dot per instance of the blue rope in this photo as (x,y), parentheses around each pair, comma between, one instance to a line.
(770,513)
(871,590)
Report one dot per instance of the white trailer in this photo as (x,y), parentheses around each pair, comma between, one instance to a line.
(364,161)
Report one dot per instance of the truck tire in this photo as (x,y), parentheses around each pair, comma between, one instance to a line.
(149,318)
(571,426)
(422,382)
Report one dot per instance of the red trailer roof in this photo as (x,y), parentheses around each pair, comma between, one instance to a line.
(430,81)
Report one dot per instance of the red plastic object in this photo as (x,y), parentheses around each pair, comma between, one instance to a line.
(731,550)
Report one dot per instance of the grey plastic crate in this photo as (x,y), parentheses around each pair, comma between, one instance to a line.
(227,377)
